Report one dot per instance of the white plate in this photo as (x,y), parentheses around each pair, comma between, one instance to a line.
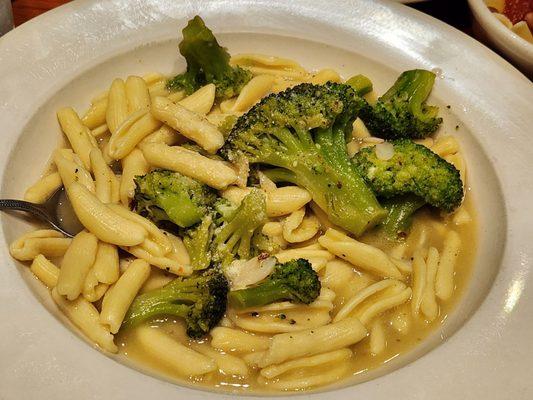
(71,53)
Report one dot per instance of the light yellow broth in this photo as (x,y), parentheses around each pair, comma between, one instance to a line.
(363,360)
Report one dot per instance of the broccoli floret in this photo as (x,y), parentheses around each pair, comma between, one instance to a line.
(228,232)
(227,125)
(303,131)
(401,209)
(294,281)
(233,237)
(413,169)
(197,241)
(361,84)
(207,62)
(169,196)
(224,210)
(262,243)
(402,112)
(199,299)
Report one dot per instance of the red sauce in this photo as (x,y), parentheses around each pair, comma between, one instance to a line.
(516,10)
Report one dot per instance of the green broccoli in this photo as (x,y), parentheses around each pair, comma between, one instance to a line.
(233,237)
(169,196)
(207,62)
(197,241)
(401,210)
(198,149)
(199,299)
(224,210)
(402,112)
(303,132)
(361,84)
(294,281)
(227,125)
(262,243)
(412,169)
(228,232)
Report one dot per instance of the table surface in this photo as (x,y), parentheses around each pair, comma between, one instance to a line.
(24,10)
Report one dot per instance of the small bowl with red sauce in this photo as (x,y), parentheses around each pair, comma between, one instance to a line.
(508,25)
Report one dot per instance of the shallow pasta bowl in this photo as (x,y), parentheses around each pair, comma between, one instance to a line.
(71,53)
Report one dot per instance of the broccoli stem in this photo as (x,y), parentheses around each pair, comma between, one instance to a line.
(281,175)
(180,208)
(267,293)
(400,216)
(153,310)
(197,243)
(168,300)
(347,201)
(335,185)
(361,84)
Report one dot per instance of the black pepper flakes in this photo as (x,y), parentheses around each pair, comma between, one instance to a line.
(292,322)
(254,314)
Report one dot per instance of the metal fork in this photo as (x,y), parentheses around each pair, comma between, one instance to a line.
(46,212)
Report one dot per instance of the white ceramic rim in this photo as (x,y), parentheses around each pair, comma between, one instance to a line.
(487,358)
(503,35)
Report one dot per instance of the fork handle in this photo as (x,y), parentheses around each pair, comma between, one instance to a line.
(34,209)
(21,205)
